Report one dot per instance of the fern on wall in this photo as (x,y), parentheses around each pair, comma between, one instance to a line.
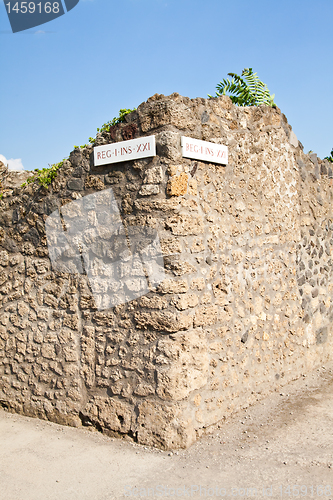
(247,91)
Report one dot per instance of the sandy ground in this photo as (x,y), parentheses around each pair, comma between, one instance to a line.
(280,448)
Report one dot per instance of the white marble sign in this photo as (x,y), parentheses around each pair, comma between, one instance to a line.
(204,150)
(125,150)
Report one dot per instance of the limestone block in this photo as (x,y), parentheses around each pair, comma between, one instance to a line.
(178,267)
(173,286)
(189,367)
(186,301)
(293,139)
(171,246)
(70,354)
(144,390)
(4,258)
(193,187)
(185,225)
(171,205)
(198,284)
(153,175)
(168,145)
(165,112)
(110,414)
(177,185)
(71,321)
(154,302)
(163,321)
(220,104)
(149,189)
(163,426)
(48,351)
(205,315)
(51,301)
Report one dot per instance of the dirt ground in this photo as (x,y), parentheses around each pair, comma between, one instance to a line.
(282,447)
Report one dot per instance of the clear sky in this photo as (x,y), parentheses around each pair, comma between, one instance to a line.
(62,80)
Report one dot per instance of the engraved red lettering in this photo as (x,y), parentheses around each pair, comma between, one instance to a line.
(144,147)
(98,156)
(103,155)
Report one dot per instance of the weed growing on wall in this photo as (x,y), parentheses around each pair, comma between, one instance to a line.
(247,91)
(117,119)
(329,158)
(45,176)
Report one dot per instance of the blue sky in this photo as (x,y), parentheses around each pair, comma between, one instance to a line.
(62,80)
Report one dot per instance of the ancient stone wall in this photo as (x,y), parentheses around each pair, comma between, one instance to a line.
(245,305)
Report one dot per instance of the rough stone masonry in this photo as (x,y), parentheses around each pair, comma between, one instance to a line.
(245,305)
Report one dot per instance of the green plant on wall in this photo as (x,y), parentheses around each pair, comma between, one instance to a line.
(117,119)
(329,158)
(246,91)
(45,176)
